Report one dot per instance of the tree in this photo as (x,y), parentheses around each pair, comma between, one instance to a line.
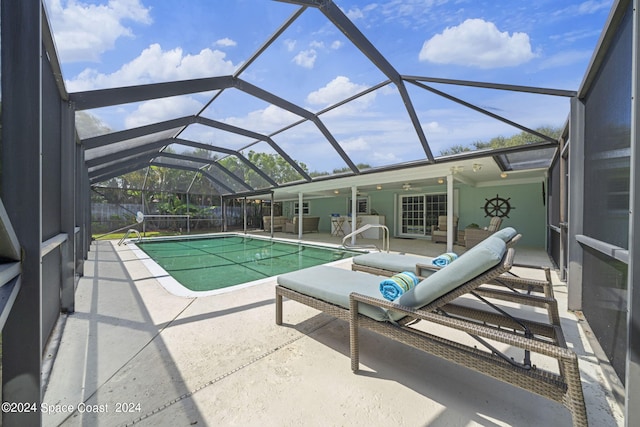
(522,138)
(360,166)
(273,165)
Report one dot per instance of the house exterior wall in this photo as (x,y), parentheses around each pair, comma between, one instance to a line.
(527,215)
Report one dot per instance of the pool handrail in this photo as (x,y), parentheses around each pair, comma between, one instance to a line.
(385,237)
(129,231)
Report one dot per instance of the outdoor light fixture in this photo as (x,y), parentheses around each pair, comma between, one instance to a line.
(379,187)
(503,175)
(336,191)
(476,167)
(455,169)
(440,181)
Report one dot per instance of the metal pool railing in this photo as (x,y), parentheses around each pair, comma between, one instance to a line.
(131,230)
(385,238)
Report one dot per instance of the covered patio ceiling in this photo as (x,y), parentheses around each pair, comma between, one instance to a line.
(313,143)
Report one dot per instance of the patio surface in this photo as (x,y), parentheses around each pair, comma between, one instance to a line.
(134,354)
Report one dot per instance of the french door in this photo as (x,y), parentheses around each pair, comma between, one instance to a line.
(419,213)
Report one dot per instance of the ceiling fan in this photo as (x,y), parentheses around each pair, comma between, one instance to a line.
(407,186)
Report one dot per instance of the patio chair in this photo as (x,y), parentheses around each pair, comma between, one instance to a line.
(439,234)
(473,236)
(330,290)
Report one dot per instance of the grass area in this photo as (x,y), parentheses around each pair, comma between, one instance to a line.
(118,236)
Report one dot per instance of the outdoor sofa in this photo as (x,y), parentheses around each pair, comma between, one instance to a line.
(278,223)
(309,224)
(355,297)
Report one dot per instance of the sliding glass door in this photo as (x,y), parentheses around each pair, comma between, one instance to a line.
(419,213)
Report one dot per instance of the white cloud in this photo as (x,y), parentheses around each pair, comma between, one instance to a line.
(290,45)
(336,90)
(317,44)
(162,109)
(563,59)
(477,43)
(432,127)
(306,58)
(156,65)
(355,144)
(265,120)
(591,6)
(83,31)
(89,125)
(225,42)
(355,13)
(336,45)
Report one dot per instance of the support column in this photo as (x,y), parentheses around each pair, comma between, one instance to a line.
(244,214)
(632,374)
(450,237)
(300,198)
(576,204)
(67,207)
(272,209)
(354,213)
(22,195)
(224,214)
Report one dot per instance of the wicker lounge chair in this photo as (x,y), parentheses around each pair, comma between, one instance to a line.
(439,234)
(473,236)
(329,289)
(510,287)
(386,264)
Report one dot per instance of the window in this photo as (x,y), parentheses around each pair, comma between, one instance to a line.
(362,205)
(305,208)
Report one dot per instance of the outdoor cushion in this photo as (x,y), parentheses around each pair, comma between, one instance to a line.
(391,262)
(401,262)
(506,233)
(334,285)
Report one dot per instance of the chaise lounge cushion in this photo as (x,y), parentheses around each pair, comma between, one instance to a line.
(334,285)
(391,262)
(400,262)
(506,233)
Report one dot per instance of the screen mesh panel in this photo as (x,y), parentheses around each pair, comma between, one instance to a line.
(606,196)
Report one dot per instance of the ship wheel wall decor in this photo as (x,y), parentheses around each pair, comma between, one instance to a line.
(497,206)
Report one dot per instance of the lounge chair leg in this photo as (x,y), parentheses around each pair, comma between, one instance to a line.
(278,308)
(575,397)
(353,335)
(548,289)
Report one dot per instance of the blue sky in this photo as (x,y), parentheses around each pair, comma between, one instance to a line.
(545,43)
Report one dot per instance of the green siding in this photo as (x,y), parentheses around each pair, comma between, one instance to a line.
(528,213)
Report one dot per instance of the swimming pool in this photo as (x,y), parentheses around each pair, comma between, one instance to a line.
(217,262)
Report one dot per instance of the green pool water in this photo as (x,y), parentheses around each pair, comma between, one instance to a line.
(206,264)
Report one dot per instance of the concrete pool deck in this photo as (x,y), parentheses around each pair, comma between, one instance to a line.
(133,354)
